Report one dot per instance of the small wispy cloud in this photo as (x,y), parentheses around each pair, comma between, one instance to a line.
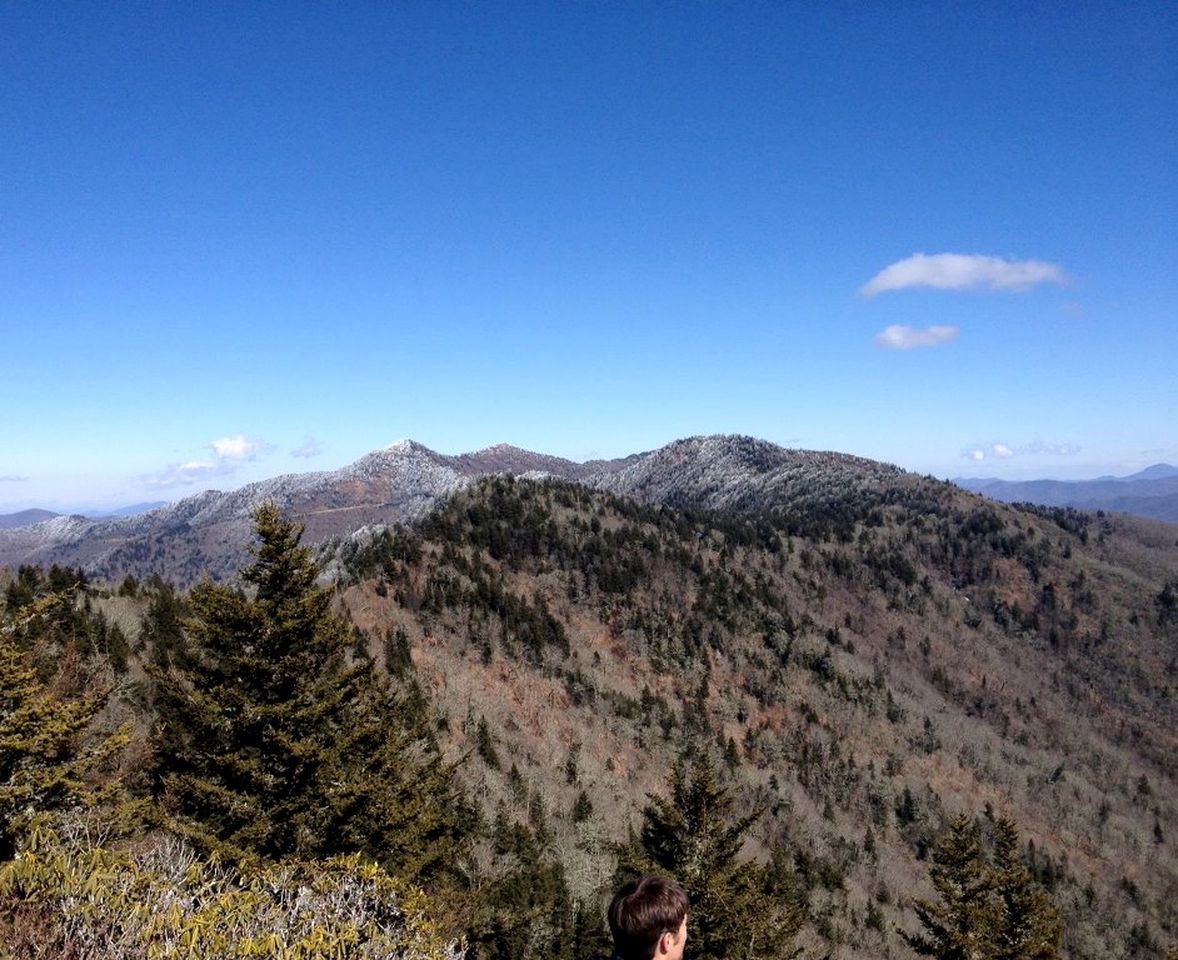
(185,474)
(12,478)
(900,337)
(961,271)
(240,447)
(1050,449)
(310,448)
(1003,451)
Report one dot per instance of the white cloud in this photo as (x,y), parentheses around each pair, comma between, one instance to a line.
(1002,450)
(960,271)
(239,447)
(310,448)
(12,478)
(899,337)
(976,454)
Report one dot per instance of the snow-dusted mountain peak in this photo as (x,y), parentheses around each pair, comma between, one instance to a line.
(206,534)
(404,445)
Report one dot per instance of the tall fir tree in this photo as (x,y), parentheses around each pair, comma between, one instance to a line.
(46,762)
(1028,924)
(989,909)
(271,743)
(959,926)
(740,909)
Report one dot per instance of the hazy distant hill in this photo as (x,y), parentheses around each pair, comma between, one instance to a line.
(27,517)
(1152,492)
(24,518)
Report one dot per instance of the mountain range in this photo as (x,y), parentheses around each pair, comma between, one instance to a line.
(24,518)
(204,534)
(1152,492)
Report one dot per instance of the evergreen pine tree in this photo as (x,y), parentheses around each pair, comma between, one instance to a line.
(1028,925)
(162,634)
(520,906)
(44,764)
(740,909)
(582,808)
(987,910)
(960,925)
(270,743)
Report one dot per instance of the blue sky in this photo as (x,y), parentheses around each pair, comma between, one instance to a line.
(238,240)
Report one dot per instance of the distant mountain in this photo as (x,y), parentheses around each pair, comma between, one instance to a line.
(25,517)
(203,534)
(1159,471)
(742,474)
(1152,492)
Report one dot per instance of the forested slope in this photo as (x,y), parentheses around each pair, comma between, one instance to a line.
(865,670)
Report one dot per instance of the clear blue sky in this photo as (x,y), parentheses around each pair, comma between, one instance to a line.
(231,234)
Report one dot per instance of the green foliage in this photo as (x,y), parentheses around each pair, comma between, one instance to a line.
(485,744)
(582,808)
(271,744)
(45,763)
(959,926)
(739,908)
(163,632)
(1028,924)
(66,897)
(49,620)
(988,909)
(1167,602)
(520,905)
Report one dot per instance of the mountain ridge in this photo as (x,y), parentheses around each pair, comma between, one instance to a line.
(1152,492)
(203,534)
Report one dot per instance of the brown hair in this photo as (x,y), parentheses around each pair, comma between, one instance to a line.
(641,912)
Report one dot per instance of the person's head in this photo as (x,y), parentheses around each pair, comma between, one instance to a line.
(648,920)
